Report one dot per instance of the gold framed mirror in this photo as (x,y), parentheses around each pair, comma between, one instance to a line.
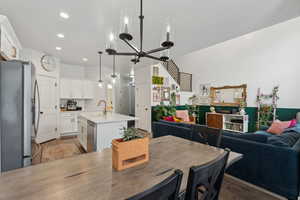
(229,95)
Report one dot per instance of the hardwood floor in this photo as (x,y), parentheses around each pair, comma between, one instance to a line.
(56,149)
(235,189)
(232,189)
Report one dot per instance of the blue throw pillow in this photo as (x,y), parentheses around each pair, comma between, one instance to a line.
(297,128)
(263,133)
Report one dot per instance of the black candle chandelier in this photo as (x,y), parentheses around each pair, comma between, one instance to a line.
(139,52)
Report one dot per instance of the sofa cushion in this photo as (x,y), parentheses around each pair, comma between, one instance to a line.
(288,139)
(176,123)
(248,136)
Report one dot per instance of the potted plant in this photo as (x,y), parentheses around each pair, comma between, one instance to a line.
(130,150)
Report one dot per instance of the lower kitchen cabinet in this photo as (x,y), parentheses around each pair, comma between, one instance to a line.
(69,123)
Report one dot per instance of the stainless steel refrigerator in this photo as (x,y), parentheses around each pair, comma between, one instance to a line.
(16,114)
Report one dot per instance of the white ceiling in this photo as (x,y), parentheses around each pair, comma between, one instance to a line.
(198,23)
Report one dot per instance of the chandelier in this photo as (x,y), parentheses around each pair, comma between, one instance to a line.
(138,53)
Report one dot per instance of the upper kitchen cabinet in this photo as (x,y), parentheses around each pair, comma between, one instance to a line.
(9,44)
(65,89)
(76,89)
(88,89)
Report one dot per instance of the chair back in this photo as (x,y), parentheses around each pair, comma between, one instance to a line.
(207,135)
(205,181)
(166,190)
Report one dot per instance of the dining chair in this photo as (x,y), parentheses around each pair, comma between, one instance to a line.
(205,181)
(166,190)
(207,135)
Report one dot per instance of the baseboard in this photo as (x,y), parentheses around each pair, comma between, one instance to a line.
(69,134)
(258,188)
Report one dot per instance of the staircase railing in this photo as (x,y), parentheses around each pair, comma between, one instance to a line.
(183,79)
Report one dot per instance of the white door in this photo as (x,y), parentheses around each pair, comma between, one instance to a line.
(48,126)
(143,107)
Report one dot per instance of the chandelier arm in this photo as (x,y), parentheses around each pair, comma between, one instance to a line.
(125,54)
(153,57)
(156,50)
(132,46)
(141,27)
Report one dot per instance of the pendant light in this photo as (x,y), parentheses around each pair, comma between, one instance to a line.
(114,76)
(100,82)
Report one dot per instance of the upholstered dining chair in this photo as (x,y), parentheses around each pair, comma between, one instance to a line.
(206,135)
(166,190)
(205,181)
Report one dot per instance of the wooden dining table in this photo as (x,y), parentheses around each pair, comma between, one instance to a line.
(91,177)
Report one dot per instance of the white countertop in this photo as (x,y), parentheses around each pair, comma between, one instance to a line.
(99,118)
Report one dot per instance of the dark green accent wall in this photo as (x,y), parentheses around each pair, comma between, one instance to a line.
(283,114)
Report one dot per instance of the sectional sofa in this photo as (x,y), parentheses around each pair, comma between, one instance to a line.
(270,162)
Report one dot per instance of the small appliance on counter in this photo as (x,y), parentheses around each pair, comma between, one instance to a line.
(71,105)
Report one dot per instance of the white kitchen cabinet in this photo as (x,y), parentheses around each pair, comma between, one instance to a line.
(8,50)
(68,123)
(88,89)
(76,89)
(65,89)
(9,43)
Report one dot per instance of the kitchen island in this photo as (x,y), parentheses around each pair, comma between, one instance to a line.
(97,130)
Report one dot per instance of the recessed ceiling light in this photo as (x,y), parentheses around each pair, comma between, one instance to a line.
(64,15)
(60,35)
(85,59)
(58,48)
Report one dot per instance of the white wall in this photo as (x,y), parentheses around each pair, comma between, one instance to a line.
(262,59)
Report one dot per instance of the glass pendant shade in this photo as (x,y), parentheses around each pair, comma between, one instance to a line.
(111,44)
(165,55)
(125,26)
(114,76)
(168,35)
(100,82)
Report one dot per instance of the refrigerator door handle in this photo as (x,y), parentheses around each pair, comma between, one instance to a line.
(36,112)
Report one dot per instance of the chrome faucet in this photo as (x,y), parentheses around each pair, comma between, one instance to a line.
(105,105)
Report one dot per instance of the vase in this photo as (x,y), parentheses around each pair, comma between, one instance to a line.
(242,111)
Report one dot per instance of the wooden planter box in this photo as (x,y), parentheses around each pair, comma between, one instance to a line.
(129,154)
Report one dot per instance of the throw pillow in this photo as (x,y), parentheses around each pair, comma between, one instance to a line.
(278,127)
(169,118)
(293,123)
(183,114)
(177,119)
